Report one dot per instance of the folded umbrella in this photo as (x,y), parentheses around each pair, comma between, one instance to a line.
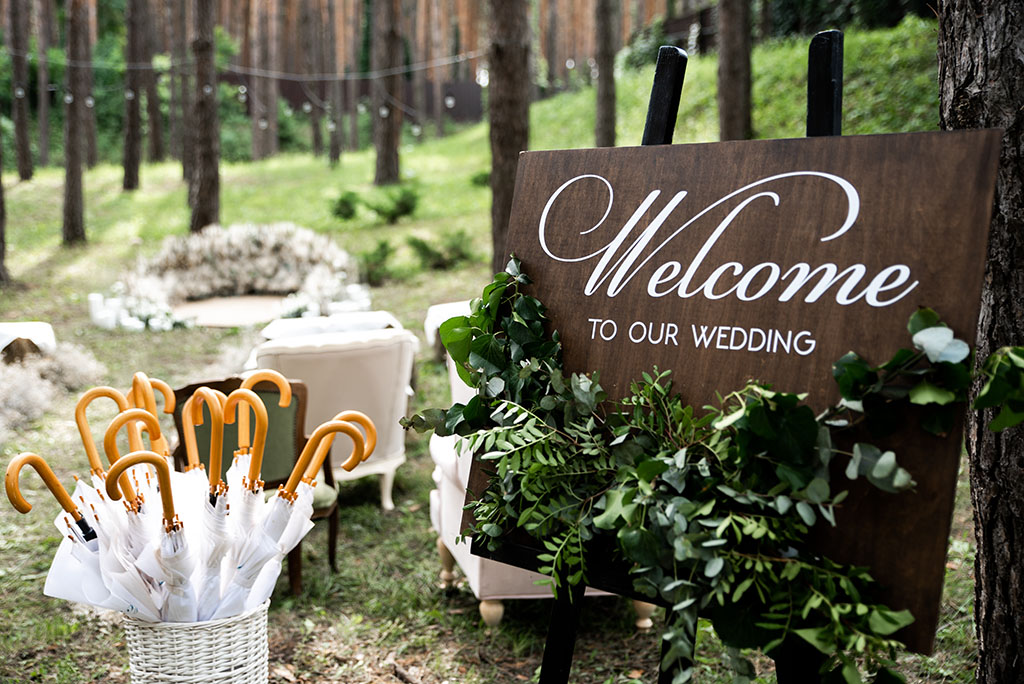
(174,557)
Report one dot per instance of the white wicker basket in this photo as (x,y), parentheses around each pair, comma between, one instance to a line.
(228,651)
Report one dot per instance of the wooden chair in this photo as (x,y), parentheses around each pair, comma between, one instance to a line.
(285,440)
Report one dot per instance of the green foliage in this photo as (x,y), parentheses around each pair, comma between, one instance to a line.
(345,206)
(642,51)
(394,203)
(481,179)
(712,508)
(373,263)
(453,249)
(1004,387)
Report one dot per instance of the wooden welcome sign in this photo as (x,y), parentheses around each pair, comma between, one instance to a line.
(769,260)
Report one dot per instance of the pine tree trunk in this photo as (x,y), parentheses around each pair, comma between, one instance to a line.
(154,133)
(422,52)
(387,113)
(205,186)
(352,83)
(18,22)
(173,103)
(981,78)
(734,70)
(438,52)
(133,77)
(604,21)
(5,276)
(312,63)
(73,230)
(45,8)
(274,36)
(334,85)
(88,111)
(551,48)
(509,111)
(258,84)
(188,157)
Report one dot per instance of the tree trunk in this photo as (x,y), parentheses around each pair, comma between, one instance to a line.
(981,80)
(73,230)
(206,181)
(5,277)
(422,55)
(155,120)
(88,111)
(133,77)
(387,96)
(352,83)
(734,70)
(551,48)
(509,111)
(313,61)
(258,87)
(604,20)
(188,158)
(43,87)
(437,70)
(334,85)
(276,59)
(18,43)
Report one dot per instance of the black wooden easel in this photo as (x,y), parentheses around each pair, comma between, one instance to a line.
(796,661)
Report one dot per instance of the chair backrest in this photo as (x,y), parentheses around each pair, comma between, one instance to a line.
(369,371)
(285,435)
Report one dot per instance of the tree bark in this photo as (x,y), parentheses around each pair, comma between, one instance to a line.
(387,96)
(88,111)
(734,70)
(155,120)
(181,35)
(334,85)
(5,276)
(258,86)
(551,48)
(206,181)
(604,21)
(353,84)
(133,77)
(437,70)
(43,88)
(73,230)
(313,63)
(276,18)
(981,81)
(509,111)
(18,22)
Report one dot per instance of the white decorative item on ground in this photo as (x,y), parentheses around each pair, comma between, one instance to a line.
(367,370)
(308,269)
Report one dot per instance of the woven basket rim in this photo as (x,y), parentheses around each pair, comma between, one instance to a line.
(136,622)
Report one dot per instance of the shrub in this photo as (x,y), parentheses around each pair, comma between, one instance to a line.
(642,50)
(394,203)
(374,263)
(452,251)
(481,178)
(345,206)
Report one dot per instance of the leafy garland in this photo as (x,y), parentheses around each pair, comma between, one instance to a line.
(711,508)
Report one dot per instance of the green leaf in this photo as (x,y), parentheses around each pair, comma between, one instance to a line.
(887,676)
(726,421)
(927,393)
(818,637)
(714,566)
(817,492)
(806,513)
(456,335)
(884,622)
(1007,418)
(921,319)
(491,530)
(885,465)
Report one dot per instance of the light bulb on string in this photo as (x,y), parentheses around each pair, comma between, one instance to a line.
(570,63)
(242,90)
(417,130)
(449,101)
(263,124)
(129,94)
(90,102)
(384,111)
(19,92)
(69,98)
(207,89)
(361,108)
(330,126)
(307,107)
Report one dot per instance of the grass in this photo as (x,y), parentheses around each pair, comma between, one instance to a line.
(382,607)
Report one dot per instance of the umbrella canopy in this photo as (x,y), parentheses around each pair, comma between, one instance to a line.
(174,558)
(142,521)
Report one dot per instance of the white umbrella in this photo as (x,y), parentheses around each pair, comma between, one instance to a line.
(263,544)
(174,558)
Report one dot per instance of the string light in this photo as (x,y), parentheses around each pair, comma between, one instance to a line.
(307,107)
(129,94)
(90,102)
(383,111)
(449,101)
(19,93)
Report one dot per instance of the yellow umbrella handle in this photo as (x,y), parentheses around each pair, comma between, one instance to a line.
(189,430)
(51,481)
(284,388)
(308,464)
(163,475)
(134,440)
(144,397)
(165,389)
(213,401)
(368,427)
(234,408)
(83,423)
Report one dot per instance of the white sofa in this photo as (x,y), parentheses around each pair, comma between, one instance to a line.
(366,370)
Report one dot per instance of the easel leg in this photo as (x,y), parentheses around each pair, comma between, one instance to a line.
(561,641)
(797,662)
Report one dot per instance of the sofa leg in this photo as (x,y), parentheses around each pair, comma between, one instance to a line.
(387,482)
(447,565)
(492,612)
(644,611)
